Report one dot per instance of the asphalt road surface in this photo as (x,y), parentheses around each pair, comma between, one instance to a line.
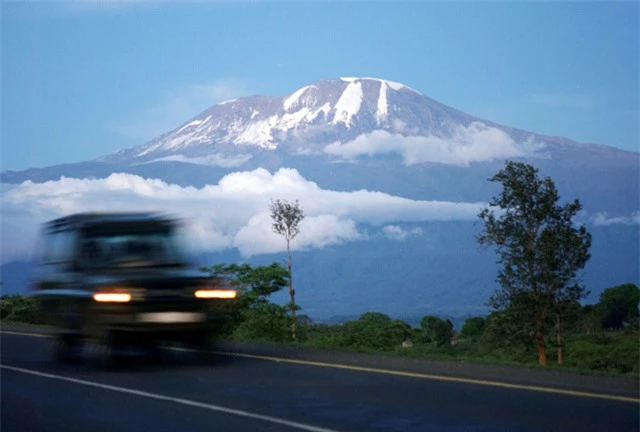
(282,391)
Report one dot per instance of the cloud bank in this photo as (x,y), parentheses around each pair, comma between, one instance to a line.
(475,143)
(231,214)
(216,159)
(602,219)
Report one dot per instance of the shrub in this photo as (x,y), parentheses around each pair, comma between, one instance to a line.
(604,353)
(17,308)
(472,328)
(268,323)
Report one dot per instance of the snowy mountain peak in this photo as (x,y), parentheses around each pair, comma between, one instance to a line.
(305,121)
(340,101)
(392,84)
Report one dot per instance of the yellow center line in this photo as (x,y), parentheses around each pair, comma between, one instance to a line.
(436,377)
(408,374)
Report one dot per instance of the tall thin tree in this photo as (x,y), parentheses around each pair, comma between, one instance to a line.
(286,218)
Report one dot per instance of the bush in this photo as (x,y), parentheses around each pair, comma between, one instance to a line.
(373,331)
(436,330)
(612,353)
(269,323)
(324,336)
(472,328)
(17,308)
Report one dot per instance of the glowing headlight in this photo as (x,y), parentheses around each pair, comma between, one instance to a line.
(218,294)
(112,297)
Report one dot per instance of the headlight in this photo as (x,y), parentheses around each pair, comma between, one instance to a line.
(112,297)
(215,294)
(118,294)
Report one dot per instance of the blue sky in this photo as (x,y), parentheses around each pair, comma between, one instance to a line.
(86,78)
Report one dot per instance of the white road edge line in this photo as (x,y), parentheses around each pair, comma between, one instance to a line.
(187,402)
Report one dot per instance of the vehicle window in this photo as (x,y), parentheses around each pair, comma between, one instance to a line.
(114,247)
(59,246)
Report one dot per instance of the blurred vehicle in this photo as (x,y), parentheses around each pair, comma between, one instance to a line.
(110,281)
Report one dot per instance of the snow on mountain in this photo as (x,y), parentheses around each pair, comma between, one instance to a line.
(288,103)
(305,121)
(392,84)
(383,104)
(349,103)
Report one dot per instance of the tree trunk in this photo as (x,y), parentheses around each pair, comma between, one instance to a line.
(542,349)
(559,341)
(560,351)
(292,294)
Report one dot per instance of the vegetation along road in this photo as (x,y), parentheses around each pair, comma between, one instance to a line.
(284,389)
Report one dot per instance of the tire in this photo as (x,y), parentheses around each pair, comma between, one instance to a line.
(65,347)
(101,352)
(152,351)
(202,344)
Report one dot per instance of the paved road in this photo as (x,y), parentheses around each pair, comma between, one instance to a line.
(246,393)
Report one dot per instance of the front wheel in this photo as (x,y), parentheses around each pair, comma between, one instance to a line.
(101,352)
(65,348)
(202,343)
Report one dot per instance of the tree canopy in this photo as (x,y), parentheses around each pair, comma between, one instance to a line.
(436,330)
(540,250)
(619,305)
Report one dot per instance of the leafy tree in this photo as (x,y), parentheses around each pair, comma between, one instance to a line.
(472,328)
(254,286)
(286,218)
(376,318)
(504,328)
(373,331)
(539,249)
(266,322)
(398,331)
(619,305)
(505,338)
(590,319)
(436,330)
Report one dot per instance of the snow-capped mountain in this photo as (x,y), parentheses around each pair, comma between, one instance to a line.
(349,135)
(393,138)
(316,120)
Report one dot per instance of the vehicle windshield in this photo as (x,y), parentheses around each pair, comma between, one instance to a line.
(131,246)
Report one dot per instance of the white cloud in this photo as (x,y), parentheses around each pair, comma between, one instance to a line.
(602,219)
(230,214)
(219,160)
(475,143)
(177,107)
(315,232)
(395,232)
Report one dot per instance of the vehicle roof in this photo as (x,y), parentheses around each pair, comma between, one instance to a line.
(79,220)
